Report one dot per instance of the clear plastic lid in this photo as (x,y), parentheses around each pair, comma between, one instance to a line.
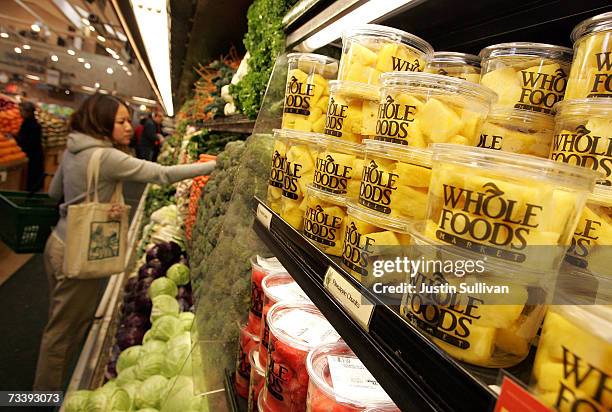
(602,196)
(267,265)
(333,144)
(353,89)
(339,374)
(527,49)
(506,114)
(576,286)
(584,107)
(457,58)
(440,84)
(281,287)
(244,329)
(393,34)
(596,24)
(311,57)
(300,325)
(326,196)
(255,364)
(563,175)
(296,135)
(400,153)
(318,63)
(376,219)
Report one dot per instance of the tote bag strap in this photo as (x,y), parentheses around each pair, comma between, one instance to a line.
(93,175)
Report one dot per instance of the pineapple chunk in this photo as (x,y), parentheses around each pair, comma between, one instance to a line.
(412,175)
(385,57)
(409,203)
(305,180)
(600,127)
(274,193)
(361,55)
(363,228)
(357,73)
(437,121)
(302,124)
(323,103)
(320,81)
(415,135)
(505,83)
(369,113)
(458,139)
(315,114)
(294,216)
(319,125)
(300,76)
(508,341)
(386,238)
(550,69)
(354,113)
(301,155)
(480,352)
(335,211)
(352,189)
(357,168)
(409,100)
(471,122)
(342,159)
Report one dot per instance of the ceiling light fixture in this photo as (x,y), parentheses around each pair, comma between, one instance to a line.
(87,66)
(67,91)
(103,91)
(54,58)
(26,47)
(35,27)
(88,89)
(129,73)
(97,85)
(80,60)
(142,108)
(85,21)
(102,39)
(109,70)
(92,28)
(70,52)
(17,50)
(4,35)
(119,62)
(32,77)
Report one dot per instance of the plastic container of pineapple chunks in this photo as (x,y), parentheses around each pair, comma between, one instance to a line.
(370,50)
(527,76)
(395,180)
(418,109)
(369,237)
(583,135)
(478,310)
(591,73)
(513,207)
(325,220)
(338,167)
(573,364)
(277,171)
(592,243)
(307,91)
(518,131)
(462,65)
(352,110)
(301,153)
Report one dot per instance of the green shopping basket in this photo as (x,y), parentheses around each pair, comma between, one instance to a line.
(26,220)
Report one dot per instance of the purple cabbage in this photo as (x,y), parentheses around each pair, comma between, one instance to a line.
(130,284)
(136,320)
(127,337)
(147,271)
(111,370)
(184,305)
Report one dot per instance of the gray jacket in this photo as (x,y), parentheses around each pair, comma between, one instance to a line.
(70,180)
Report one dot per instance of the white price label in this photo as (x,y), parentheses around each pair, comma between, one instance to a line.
(264,215)
(307,327)
(288,291)
(352,380)
(349,297)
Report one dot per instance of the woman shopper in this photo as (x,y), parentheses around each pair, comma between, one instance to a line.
(29,139)
(102,121)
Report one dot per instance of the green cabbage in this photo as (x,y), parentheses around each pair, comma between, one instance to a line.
(179,273)
(186,319)
(119,400)
(147,410)
(180,395)
(126,375)
(151,392)
(97,401)
(132,388)
(154,346)
(175,359)
(163,286)
(164,305)
(76,401)
(129,357)
(149,364)
(180,339)
(165,328)
(147,337)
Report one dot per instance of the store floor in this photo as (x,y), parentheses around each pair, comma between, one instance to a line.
(23,313)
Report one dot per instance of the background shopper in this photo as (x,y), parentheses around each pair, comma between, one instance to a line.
(29,139)
(151,137)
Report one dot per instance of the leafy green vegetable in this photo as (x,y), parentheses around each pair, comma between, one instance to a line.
(165,328)
(128,357)
(164,305)
(154,345)
(76,401)
(151,392)
(186,319)
(149,364)
(179,274)
(163,286)
(126,375)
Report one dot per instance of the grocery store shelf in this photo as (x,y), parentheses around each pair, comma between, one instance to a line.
(415,373)
(236,124)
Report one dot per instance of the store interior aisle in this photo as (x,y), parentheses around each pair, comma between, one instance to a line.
(24,302)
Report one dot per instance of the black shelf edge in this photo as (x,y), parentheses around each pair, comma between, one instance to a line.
(235,124)
(234,402)
(415,373)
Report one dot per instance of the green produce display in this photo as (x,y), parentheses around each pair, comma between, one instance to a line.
(209,142)
(163,286)
(178,273)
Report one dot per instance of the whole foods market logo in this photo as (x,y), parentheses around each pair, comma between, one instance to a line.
(602,80)
(377,186)
(297,97)
(469,217)
(490,141)
(244,366)
(582,148)
(256,299)
(585,234)
(540,91)
(394,120)
(336,115)
(401,65)
(357,250)
(321,227)
(331,176)
(291,179)
(278,375)
(277,170)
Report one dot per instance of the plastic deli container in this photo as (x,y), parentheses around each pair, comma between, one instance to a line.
(418,109)
(395,180)
(307,91)
(492,327)
(591,74)
(325,220)
(461,65)
(573,364)
(260,268)
(277,171)
(368,237)
(518,131)
(257,380)
(352,110)
(504,204)
(528,76)
(340,382)
(338,167)
(248,341)
(278,287)
(302,150)
(370,50)
(583,135)
(295,329)
(592,242)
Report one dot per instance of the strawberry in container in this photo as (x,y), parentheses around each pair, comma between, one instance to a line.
(339,382)
(248,341)
(256,383)
(295,329)
(260,268)
(276,288)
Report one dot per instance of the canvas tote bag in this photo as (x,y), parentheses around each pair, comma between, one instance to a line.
(96,246)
